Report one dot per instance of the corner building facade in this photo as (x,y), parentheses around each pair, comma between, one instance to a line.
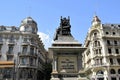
(22,53)
(101,59)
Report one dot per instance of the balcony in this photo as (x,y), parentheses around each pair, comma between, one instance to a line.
(113,55)
(23,54)
(33,44)
(9,53)
(27,65)
(97,55)
(32,54)
(110,45)
(25,43)
(117,45)
(100,65)
(11,42)
(29,54)
(96,37)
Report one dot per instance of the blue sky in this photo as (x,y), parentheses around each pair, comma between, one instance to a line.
(47,14)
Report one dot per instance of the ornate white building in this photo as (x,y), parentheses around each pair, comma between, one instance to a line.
(101,59)
(22,53)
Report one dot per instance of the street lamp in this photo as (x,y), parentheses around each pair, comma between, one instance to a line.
(14,70)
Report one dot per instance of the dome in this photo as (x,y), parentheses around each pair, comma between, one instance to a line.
(28,25)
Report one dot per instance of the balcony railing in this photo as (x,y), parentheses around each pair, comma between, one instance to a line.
(11,42)
(99,64)
(28,54)
(9,53)
(25,43)
(33,43)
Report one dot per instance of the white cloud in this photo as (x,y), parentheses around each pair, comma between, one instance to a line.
(45,39)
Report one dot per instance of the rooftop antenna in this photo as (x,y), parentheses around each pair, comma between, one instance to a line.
(96,8)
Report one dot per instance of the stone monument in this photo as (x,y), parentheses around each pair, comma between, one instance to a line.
(66,54)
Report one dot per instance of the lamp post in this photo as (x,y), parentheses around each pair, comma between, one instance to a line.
(17,67)
(14,70)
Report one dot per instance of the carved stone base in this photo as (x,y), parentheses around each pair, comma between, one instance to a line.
(54,72)
(82,79)
(54,79)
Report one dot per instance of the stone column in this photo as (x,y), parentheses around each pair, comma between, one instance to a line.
(55,64)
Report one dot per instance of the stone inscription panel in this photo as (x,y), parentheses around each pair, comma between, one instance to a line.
(67,64)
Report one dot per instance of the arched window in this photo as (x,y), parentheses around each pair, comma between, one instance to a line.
(96,43)
(100,72)
(112,71)
(95,34)
(118,71)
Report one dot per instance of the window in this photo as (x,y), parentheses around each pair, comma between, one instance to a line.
(26,28)
(32,50)
(95,43)
(112,71)
(32,40)
(99,51)
(9,58)
(11,39)
(100,72)
(96,51)
(109,51)
(118,71)
(0,38)
(0,48)
(24,39)
(95,34)
(10,50)
(31,61)
(111,61)
(118,60)
(114,33)
(115,42)
(30,74)
(7,73)
(24,51)
(107,32)
(98,43)
(97,61)
(23,61)
(117,51)
(101,61)
(113,78)
(108,42)
(22,73)
(33,30)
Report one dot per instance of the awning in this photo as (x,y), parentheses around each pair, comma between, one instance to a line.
(6,64)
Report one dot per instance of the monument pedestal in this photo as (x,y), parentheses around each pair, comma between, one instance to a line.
(66,53)
(82,76)
(54,75)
